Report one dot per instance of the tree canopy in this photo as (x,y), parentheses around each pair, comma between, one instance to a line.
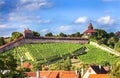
(16,35)
(49,34)
(36,33)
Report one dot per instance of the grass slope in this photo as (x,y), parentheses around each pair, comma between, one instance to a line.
(96,56)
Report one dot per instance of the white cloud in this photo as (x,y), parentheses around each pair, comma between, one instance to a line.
(81,20)
(106,20)
(44,31)
(32,4)
(64,28)
(3,25)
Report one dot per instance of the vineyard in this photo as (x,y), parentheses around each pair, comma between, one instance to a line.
(96,56)
(45,52)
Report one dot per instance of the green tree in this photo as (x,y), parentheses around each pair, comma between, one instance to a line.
(1,41)
(36,33)
(7,62)
(37,66)
(62,35)
(101,33)
(77,34)
(112,41)
(49,34)
(16,35)
(117,46)
(115,72)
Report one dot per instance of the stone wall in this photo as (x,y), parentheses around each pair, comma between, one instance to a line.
(23,40)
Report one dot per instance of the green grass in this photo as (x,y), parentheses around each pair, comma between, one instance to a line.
(96,56)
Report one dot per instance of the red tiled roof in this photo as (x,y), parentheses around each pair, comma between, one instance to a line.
(90,31)
(98,76)
(47,74)
(54,74)
(68,74)
(27,65)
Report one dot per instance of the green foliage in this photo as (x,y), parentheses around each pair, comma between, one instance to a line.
(49,34)
(77,34)
(117,46)
(16,35)
(1,41)
(36,33)
(101,33)
(115,72)
(37,66)
(62,35)
(62,65)
(112,41)
(7,62)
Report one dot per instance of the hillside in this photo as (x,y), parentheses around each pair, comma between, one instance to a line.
(45,52)
(97,56)
(48,52)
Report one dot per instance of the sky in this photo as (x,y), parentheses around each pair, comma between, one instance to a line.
(67,16)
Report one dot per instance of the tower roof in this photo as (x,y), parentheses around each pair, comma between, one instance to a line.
(90,27)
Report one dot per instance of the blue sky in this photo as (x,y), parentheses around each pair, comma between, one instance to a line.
(67,16)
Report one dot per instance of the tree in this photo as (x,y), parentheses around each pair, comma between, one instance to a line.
(62,65)
(117,46)
(1,41)
(115,72)
(112,41)
(77,34)
(62,35)
(37,66)
(16,35)
(36,33)
(101,33)
(49,34)
(8,63)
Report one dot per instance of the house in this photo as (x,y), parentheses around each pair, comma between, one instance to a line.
(90,31)
(53,74)
(94,70)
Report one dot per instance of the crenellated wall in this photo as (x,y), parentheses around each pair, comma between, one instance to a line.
(22,40)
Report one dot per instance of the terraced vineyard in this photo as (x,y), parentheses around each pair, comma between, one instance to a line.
(44,52)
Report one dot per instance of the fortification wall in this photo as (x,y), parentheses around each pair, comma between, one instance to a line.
(22,41)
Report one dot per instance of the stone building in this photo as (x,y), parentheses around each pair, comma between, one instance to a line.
(28,34)
(90,31)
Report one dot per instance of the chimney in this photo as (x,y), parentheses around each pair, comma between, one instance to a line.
(37,74)
(100,67)
(82,71)
(22,60)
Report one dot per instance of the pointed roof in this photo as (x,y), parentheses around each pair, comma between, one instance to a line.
(90,29)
